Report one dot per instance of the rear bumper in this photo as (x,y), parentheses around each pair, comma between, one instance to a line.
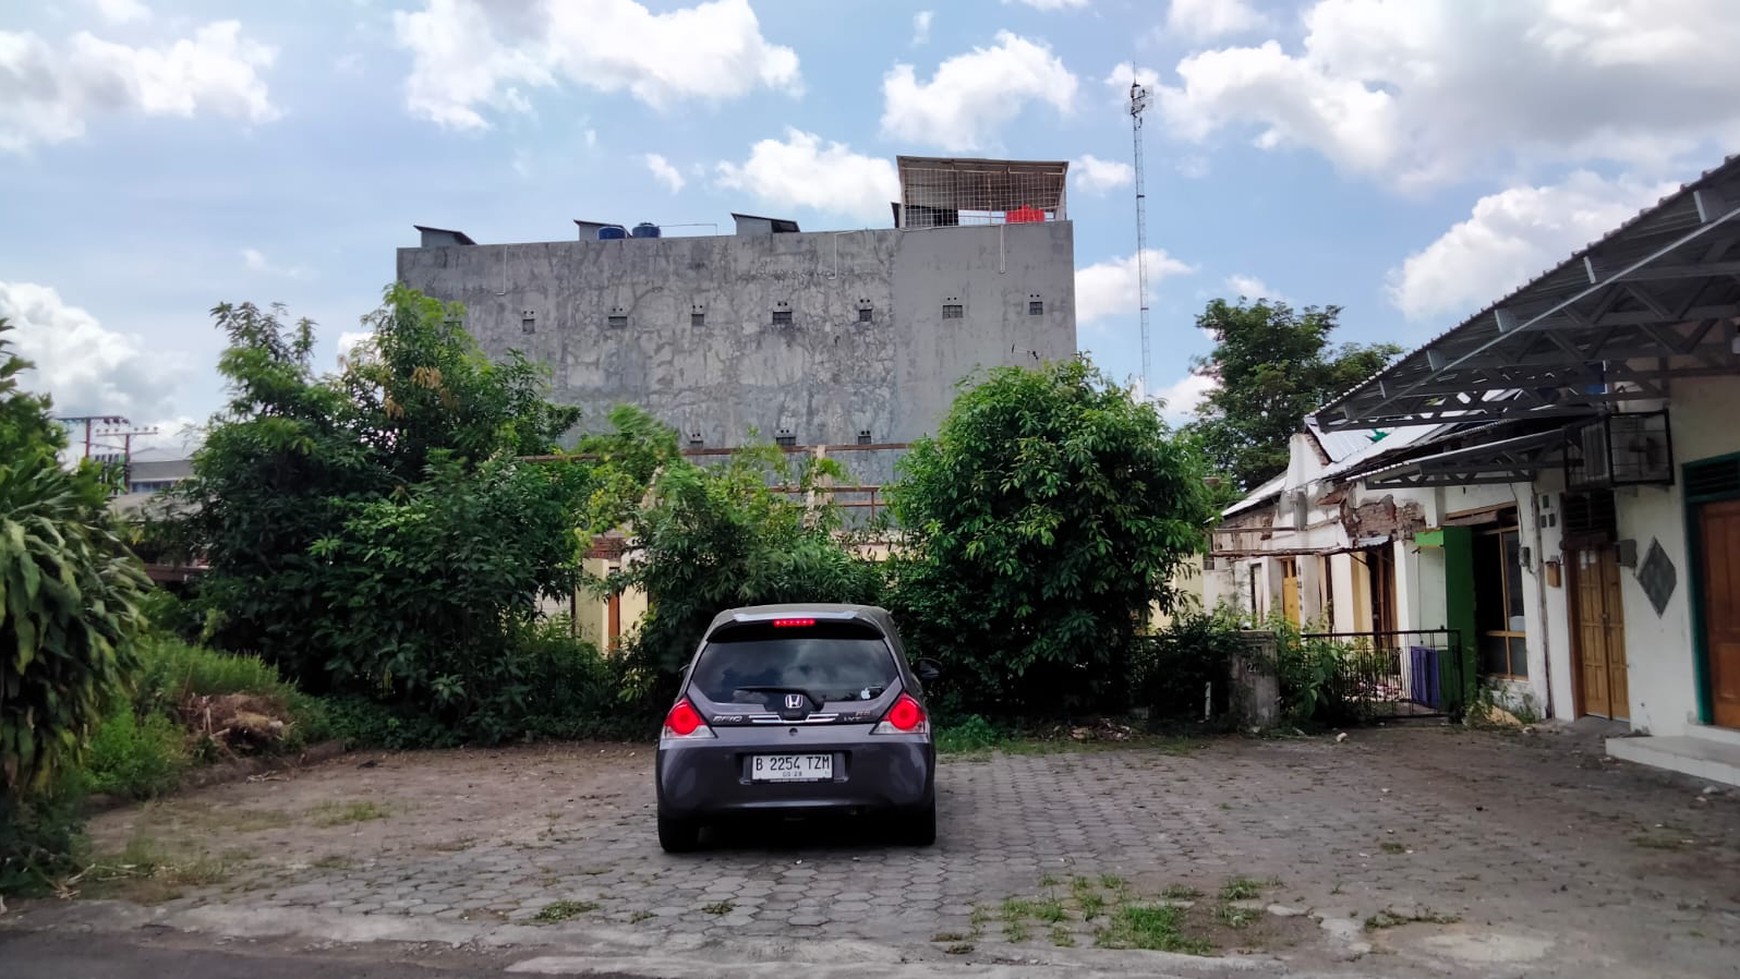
(709,779)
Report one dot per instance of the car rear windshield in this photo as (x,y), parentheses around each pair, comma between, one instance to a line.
(828,661)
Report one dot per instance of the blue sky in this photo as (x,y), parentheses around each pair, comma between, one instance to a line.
(1408,160)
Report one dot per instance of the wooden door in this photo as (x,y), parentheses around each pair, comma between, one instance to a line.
(1383,588)
(1599,627)
(1290,590)
(1719,538)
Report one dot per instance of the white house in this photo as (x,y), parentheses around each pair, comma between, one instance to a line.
(1568,498)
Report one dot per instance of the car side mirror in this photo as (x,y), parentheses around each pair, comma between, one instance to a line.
(928,670)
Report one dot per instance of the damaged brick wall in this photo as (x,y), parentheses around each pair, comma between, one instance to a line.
(1382,518)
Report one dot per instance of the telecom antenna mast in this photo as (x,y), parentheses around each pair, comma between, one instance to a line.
(1139,97)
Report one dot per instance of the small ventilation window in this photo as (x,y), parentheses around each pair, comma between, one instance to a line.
(954,311)
(695,440)
(864,437)
(697,319)
(617,321)
(785,439)
(865,314)
(528,324)
(1035,307)
(782,317)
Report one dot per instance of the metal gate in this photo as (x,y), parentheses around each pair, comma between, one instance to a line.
(1371,676)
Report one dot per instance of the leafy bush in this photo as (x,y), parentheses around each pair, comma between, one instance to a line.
(69,593)
(361,722)
(41,837)
(577,695)
(380,533)
(971,733)
(138,757)
(1171,669)
(717,537)
(1042,523)
(1320,676)
(561,688)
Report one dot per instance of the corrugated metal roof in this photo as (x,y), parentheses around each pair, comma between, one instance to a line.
(1674,213)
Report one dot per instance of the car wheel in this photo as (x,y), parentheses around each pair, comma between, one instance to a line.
(919,828)
(679,835)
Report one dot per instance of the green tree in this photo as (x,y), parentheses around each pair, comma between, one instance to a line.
(1272,366)
(380,530)
(714,537)
(1042,523)
(69,600)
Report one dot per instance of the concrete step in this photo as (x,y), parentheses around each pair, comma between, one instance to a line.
(1720,735)
(1710,760)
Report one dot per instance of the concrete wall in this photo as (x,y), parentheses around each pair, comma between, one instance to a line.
(825,378)
(1659,650)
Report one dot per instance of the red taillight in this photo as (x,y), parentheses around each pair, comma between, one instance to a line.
(906,715)
(683,720)
(792,623)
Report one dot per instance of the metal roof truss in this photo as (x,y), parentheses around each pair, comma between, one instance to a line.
(1656,299)
(1514,460)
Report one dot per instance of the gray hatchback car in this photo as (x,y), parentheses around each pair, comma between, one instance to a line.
(790,710)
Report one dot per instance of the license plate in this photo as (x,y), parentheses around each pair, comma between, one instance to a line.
(791,768)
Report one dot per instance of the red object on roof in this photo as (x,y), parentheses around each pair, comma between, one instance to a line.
(1025,214)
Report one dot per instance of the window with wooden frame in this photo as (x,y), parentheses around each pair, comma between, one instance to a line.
(1498,599)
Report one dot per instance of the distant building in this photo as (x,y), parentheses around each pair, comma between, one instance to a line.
(152,471)
(809,338)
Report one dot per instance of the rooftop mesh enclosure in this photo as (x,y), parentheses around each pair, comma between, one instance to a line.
(937,192)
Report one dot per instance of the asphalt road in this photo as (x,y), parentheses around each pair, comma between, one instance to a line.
(48,955)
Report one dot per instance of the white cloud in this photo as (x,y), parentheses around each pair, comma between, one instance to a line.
(256,261)
(973,95)
(1204,19)
(48,92)
(1096,174)
(472,55)
(1120,77)
(348,341)
(89,370)
(1051,4)
(1109,288)
(1251,287)
(1512,236)
(803,172)
(921,22)
(1183,395)
(122,11)
(664,173)
(1428,91)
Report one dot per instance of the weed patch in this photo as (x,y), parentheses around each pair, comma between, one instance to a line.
(1158,927)
(1391,918)
(563,910)
(330,814)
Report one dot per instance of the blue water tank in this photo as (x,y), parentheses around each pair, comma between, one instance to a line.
(646,229)
(611,232)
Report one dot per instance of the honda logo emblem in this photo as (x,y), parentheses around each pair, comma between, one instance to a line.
(794,701)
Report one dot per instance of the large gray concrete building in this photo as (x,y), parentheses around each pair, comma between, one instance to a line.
(834,337)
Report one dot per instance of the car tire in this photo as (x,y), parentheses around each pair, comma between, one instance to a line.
(679,835)
(919,828)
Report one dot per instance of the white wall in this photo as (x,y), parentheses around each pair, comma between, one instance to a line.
(1662,677)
